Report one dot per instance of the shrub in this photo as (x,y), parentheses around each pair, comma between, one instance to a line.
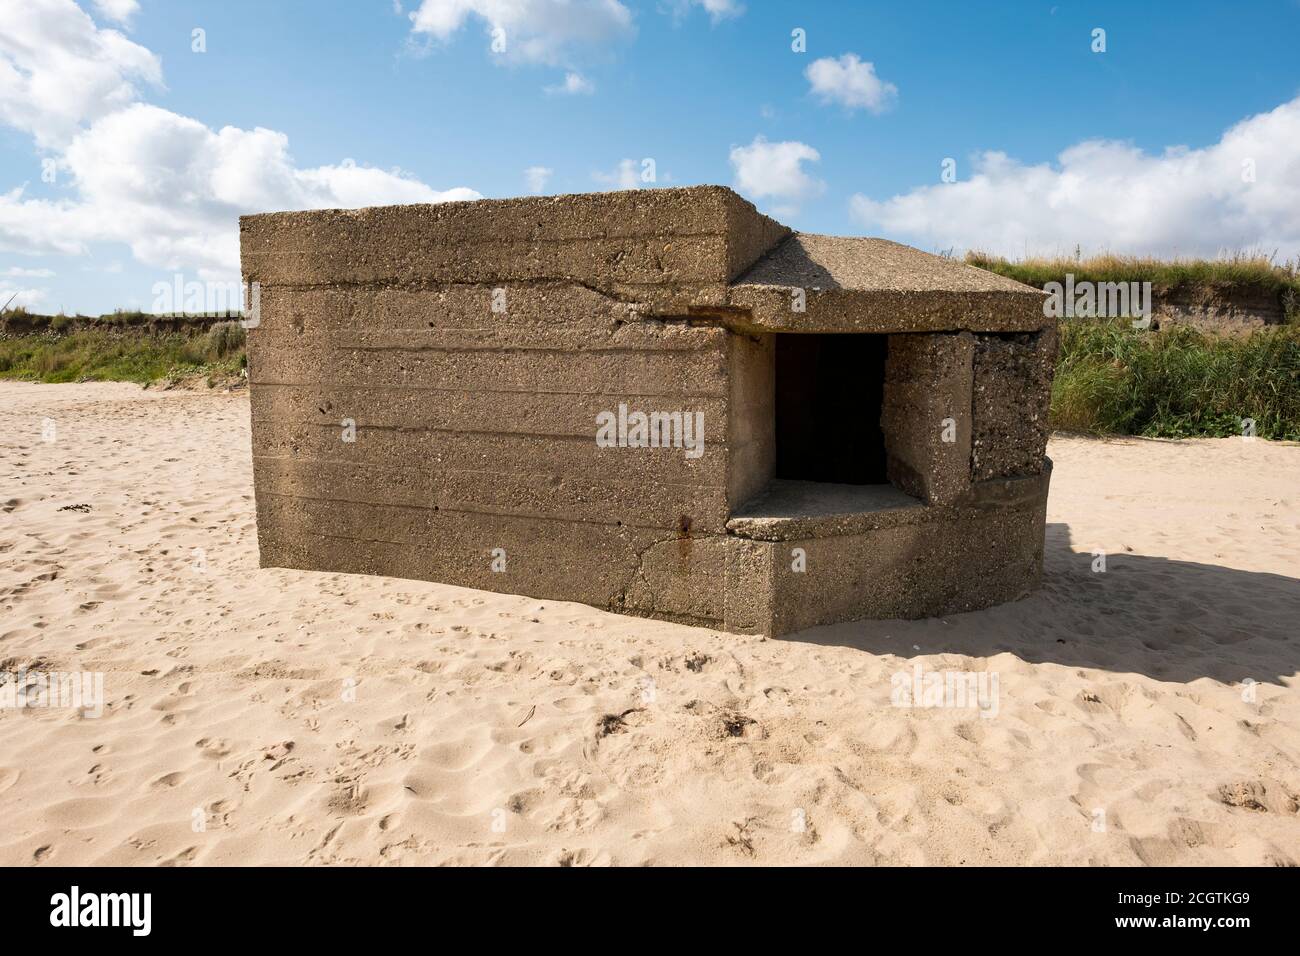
(103,355)
(225,339)
(1176,383)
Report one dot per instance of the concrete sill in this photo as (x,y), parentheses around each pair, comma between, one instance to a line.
(789,510)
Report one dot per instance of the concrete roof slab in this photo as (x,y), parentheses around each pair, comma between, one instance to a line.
(873,285)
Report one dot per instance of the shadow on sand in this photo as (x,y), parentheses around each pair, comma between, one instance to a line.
(1169,620)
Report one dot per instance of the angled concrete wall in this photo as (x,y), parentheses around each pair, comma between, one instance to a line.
(926,414)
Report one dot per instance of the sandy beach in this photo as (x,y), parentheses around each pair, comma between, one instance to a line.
(1144,714)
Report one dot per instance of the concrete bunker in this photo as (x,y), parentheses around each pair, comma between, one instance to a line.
(868,420)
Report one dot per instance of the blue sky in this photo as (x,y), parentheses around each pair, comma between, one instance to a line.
(710,90)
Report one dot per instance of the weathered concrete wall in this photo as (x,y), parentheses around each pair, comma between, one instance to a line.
(926,414)
(471,355)
(1012,394)
(905,563)
(426,380)
(751,435)
(472,442)
(663,250)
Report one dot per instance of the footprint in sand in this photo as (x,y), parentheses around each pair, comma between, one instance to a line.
(183,858)
(167,781)
(8,777)
(214,748)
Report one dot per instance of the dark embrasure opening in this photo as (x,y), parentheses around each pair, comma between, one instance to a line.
(828,395)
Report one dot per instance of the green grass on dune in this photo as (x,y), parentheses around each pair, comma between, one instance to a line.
(1176,383)
(1242,271)
(97,355)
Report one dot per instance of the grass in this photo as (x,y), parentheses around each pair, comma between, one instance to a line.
(1240,270)
(1177,383)
(102,355)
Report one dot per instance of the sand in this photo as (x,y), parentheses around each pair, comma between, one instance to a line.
(280,717)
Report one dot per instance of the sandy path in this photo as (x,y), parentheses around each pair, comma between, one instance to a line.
(282,717)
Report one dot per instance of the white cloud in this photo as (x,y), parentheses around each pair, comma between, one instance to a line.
(533,31)
(718,10)
(166,185)
(850,82)
(721,9)
(574,83)
(120,10)
(12,296)
(58,70)
(172,189)
(349,186)
(112,268)
(38,226)
(626,175)
(775,171)
(18,272)
(537,177)
(1106,195)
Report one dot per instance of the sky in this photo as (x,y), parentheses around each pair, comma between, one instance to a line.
(134,133)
